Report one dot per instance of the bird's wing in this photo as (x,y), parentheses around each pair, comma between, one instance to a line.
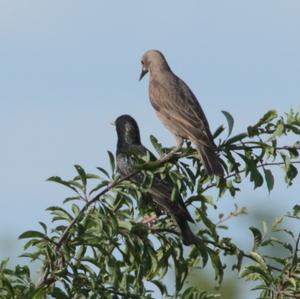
(161,193)
(172,98)
(126,157)
(125,164)
(160,190)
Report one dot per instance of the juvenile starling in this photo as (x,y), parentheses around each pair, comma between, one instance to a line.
(129,146)
(179,110)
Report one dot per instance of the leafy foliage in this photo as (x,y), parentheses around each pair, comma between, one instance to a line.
(98,246)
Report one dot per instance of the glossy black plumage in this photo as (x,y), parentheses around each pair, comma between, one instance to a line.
(129,145)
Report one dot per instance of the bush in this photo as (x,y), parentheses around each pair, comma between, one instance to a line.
(98,246)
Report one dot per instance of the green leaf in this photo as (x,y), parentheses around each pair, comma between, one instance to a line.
(291,173)
(230,121)
(255,175)
(39,293)
(31,234)
(250,270)
(60,212)
(7,285)
(156,144)
(148,180)
(279,131)
(71,199)
(59,180)
(88,177)
(99,186)
(239,260)
(257,237)
(81,173)
(76,184)
(270,115)
(75,209)
(219,130)
(59,294)
(44,226)
(296,210)
(112,161)
(269,179)
(92,176)
(194,293)
(217,265)
(259,259)
(162,288)
(125,225)
(103,171)
(236,138)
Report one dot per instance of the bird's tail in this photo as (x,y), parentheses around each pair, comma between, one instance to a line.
(188,237)
(210,160)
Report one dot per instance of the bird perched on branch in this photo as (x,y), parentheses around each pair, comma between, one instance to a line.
(179,110)
(128,147)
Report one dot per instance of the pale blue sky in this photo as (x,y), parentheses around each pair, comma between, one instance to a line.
(68,68)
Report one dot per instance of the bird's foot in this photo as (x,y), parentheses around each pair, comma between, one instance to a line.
(169,155)
(150,221)
(179,143)
(166,157)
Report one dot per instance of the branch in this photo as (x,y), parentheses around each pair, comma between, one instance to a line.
(108,188)
(295,258)
(96,198)
(289,295)
(243,170)
(123,295)
(231,215)
(44,277)
(243,147)
(229,250)
(222,247)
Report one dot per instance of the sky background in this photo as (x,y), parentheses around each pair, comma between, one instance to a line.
(68,68)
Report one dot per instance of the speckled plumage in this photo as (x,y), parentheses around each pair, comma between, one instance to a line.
(128,145)
(179,110)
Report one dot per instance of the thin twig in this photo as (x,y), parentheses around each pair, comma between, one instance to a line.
(296,251)
(96,198)
(242,147)
(289,295)
(233,214)
(222,247)
(229,250)
(44,278)
(243,170)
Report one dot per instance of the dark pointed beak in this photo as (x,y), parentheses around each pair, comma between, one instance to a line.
(143,73)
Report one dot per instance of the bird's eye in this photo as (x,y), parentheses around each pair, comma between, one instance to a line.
(142,62)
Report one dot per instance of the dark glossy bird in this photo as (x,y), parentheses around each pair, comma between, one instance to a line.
(129,146)
(179,110)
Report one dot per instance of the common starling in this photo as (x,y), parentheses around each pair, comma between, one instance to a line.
(179,110)
(129,146)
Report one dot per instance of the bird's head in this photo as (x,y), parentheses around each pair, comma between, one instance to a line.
(152,60)
(127,130)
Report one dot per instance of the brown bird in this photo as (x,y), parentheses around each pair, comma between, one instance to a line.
(179,110)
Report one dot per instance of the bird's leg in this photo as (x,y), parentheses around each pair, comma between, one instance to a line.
(150,221)
(179,143)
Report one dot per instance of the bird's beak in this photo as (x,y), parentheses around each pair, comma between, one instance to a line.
(143,73)
(113,123)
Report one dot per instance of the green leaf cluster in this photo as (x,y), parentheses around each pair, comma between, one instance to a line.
(99,247)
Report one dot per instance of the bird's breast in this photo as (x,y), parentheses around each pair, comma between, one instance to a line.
(171,124)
